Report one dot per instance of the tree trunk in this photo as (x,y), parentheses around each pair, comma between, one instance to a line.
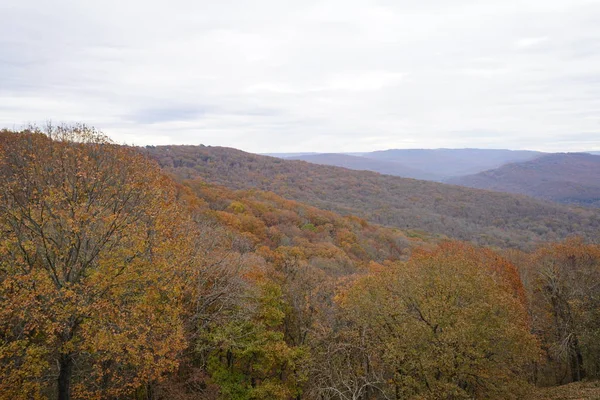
(64,377)
(577,371)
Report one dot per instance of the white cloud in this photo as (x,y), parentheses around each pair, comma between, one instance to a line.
(363,81)
(321,75)
(530,42)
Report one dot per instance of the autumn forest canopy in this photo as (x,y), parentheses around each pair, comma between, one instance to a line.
(190,272)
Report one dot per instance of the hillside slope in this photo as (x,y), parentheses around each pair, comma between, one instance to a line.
(570,178)
(449,163)
(479,216)
(366,164)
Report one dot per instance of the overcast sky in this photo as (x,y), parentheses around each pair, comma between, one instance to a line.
(304,75)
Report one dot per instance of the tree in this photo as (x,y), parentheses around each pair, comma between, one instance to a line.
(249,358)
(565,298)
(89,266)
(347,366)
(447,324)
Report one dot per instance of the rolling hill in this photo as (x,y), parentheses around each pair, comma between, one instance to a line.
(428,164)
(448,163)
(248,294)
(366,164)
(480,216)
(570,178)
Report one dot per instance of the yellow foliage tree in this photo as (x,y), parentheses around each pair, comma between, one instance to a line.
(565,303)
(448,324)
(89,267)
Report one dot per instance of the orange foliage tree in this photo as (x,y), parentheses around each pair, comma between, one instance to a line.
(89,267)
(563,282)
(449,323)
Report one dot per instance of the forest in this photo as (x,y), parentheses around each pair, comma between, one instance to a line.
(165,273)
(482,217)
(568,178)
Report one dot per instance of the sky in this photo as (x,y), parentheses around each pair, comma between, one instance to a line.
(323,76)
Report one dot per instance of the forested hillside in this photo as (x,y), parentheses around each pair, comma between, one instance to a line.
(118,280)
(479,216)
(97,264)
(570,178)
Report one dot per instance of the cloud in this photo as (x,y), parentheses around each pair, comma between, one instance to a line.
(166,114)
(363,81)
(530,42)
(317,75)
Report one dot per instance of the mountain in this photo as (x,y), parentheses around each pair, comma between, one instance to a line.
(571,178)
(480,216)
(366,164)
(246,294)
(449,163)
(288,155)
(428,164)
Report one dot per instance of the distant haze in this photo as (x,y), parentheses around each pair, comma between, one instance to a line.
(315,76)
(427,164)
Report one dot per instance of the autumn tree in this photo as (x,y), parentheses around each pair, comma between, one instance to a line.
(450,323)
(348,365)
(248,357)
(564,289)
(89,266)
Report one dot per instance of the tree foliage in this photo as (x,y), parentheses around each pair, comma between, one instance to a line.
(563,285)
(447,324)
(117,281)
(88,284)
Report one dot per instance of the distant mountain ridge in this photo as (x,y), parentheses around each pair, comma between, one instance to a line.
(480,216)
(428,164)
(569,178)
(454,162)
(288,155)
(362,163)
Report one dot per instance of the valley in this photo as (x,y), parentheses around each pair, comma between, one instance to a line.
(479,216)
(205,272)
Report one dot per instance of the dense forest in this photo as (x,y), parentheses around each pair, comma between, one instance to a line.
(565,178)
(119,279)
(568,178)
(479,216)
